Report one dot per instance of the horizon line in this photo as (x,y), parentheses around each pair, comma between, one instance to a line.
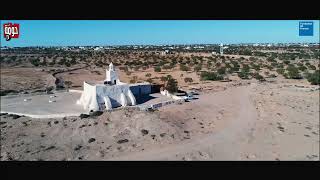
(168,44)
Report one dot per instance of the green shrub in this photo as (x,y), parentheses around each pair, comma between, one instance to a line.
(243,74)
(167,67)
(293,73)
(222,70)
(312,67)
(302,68)
(62,61)
(255,67)
(280,70)
(246,68)
(157,69)
(271,59)
(67,64)
(171,85)
(73,61)
(210,76)
(184,67)
(35,62)
(314,78)
(286,62)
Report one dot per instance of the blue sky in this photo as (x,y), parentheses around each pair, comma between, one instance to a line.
(124,32)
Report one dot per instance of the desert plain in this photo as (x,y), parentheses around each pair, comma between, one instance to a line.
(275,119)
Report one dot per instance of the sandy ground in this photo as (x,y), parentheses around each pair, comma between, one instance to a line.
(78,76)
(38,106)
(25,79)
(269,121)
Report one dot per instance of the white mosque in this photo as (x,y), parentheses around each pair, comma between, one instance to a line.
(112,93)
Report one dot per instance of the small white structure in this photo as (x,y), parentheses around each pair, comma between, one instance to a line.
(112,93)
(165,52)
(111,76)
(166,93)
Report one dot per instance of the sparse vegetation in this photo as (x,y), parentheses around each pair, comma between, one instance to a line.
(222,70)
(211,76)
(314,78)
(157,69)
(35,62)
(184,67)
(188,80)
(171,85)
(243,74)
(258,77)
(293,73)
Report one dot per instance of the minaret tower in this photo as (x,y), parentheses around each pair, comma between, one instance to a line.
(111,75)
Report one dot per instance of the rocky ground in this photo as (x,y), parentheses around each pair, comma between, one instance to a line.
(248,121)
(92,138)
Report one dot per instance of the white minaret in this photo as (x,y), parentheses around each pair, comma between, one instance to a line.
(111,75)
(221,49)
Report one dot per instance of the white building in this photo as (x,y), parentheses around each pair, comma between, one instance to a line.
(221,49)
(111,93)
(165,52)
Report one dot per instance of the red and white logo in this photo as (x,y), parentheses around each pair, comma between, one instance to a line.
(11,31)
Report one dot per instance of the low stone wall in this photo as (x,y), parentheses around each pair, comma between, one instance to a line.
(161,104)
(75,90)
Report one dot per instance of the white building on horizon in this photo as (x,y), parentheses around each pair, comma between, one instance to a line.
(221,49)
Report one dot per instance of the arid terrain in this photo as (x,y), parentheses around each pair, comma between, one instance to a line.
(265,109)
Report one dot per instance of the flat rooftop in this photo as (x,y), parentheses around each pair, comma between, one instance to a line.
(152,99)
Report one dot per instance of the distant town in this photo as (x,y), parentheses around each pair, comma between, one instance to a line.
(183,47)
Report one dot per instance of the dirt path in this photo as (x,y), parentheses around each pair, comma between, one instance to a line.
(221,145)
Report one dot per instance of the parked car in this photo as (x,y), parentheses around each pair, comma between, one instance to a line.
(188,97)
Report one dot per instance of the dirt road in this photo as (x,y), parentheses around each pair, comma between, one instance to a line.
(221,145)
(256,122)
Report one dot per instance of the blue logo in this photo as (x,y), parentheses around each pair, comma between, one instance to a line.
(306,28)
